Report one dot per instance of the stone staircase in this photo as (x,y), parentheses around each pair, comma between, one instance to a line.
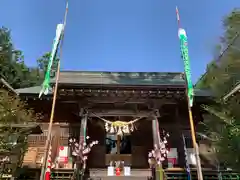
(121,178)
(145,174)
(136,174)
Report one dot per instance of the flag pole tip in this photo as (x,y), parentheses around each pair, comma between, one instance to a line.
(67,5)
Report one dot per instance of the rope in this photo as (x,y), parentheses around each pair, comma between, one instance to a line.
(117,123)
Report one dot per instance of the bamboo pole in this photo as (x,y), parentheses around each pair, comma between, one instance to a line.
(46,148)
(195,146)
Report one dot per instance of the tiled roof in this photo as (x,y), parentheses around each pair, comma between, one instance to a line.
(117,78)
(120,78)
(29,90)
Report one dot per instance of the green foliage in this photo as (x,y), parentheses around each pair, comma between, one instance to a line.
(12,65)
(16,123)
(43,64)
(223,72)
(224,131)
(223,122)
(13,68)
(15,120)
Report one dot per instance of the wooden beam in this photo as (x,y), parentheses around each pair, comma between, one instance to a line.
(119,112)
(121,93)
(232,92)
(8,86)
(130,100)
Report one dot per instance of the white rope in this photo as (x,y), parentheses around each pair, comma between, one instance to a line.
(122,122)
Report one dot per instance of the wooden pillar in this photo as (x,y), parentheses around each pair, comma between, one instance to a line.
(83,128)
(118,143)
(83,131)
(180,144)
(155,142)
(154,131)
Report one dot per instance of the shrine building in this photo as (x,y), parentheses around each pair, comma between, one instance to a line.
(90,100)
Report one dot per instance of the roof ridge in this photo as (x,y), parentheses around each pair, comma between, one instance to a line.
(129,72)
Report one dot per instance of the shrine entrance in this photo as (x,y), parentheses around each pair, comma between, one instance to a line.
(127,141)
(118,146)
(118,150)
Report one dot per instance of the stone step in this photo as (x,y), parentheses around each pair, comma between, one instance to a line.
(120,178)
(134,173)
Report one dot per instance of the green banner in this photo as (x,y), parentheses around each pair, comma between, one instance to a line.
(46,82)
(184,52)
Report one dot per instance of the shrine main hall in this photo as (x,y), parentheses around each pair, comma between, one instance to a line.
(93,101)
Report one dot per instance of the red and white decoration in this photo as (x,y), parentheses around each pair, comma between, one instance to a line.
(172,157)
(49,164)
(63,154)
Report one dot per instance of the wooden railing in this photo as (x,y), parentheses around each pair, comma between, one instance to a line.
(33,155)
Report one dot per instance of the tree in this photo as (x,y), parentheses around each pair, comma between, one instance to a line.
(224,131)
(12,65)
(16,123)
(223,122)
(11,60)
(43,64)
(223,71)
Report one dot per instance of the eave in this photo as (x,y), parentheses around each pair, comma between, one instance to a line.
(8,86)
(80,84)
(235,90)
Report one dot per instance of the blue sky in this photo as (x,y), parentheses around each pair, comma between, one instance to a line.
(118,35)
